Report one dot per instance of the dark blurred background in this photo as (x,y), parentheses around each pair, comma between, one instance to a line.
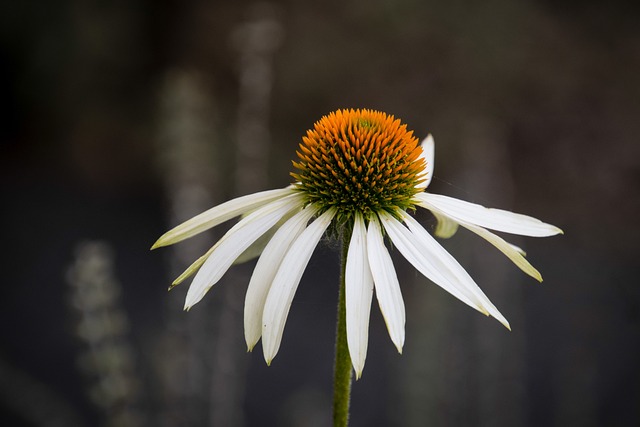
(122,118)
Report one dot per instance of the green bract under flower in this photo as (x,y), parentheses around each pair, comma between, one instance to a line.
(359,161)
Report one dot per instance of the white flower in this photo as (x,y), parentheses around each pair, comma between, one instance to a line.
(359,171)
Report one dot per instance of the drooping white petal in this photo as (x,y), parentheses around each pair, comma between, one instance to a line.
(428,154)
(494,219)
(235,241)
(386,284)
(285,284)
(429,265)
(513,252)
(256,247)
(451,268)
(446,227)
(195,266)
(219,214)
(359,293)
(250,253)
(259,245)
(266,269)
(517,249)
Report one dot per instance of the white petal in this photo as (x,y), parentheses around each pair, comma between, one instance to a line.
(265,271)
(250,253)
(446,227)
(219,214)
(235,241)
(386,284)
(495,219)
(259,245)
(195,266)
(359,293)
(428,264)
(285,284)
(513,252)
(428,154)
(451,269)
(517,249)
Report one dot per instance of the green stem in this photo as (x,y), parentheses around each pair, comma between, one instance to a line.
(342,368)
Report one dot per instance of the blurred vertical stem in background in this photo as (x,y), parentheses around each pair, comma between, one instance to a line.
(255,42)
(342,368)
(186,138)
(108,359)
(459,372)
(500,379)
(202,371)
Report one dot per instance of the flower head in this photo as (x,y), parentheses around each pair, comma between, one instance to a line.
(359,161)
(360,172)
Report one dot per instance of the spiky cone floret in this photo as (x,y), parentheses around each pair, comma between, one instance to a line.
(359,173)
(359,161)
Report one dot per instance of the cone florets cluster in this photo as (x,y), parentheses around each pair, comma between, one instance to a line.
(359,161)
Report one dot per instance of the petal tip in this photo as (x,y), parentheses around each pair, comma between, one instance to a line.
(532,272)
(552,230)
(428,141)
(251,344)
(164,240)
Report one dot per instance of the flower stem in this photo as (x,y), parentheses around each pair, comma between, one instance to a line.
(342,368)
